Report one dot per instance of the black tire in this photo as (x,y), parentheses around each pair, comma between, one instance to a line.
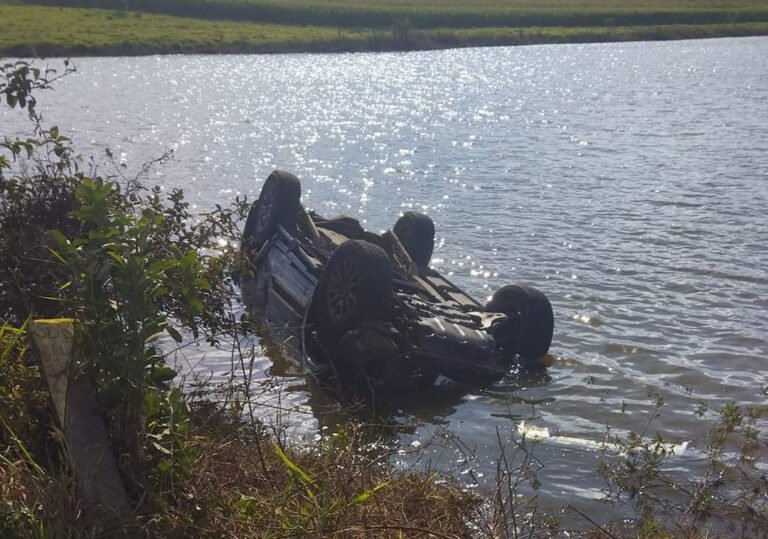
(416,232)
(536,323)
(356,286)
(366,359)
(278,205)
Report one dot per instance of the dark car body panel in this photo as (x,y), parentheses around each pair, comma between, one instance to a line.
(437,331)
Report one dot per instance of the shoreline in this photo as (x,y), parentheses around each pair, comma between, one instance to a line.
(142,49)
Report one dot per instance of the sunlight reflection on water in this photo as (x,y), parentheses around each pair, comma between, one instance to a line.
(627,181)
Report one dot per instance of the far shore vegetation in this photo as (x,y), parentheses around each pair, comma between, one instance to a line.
(137,27)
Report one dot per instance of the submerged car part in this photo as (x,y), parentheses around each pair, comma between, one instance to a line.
(368,310)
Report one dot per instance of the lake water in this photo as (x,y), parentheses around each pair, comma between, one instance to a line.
(629,182)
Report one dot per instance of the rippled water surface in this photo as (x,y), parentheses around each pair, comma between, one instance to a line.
(629,182)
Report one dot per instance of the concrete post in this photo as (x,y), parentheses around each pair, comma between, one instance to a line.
(90,452)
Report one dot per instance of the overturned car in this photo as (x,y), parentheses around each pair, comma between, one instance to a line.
(367,310)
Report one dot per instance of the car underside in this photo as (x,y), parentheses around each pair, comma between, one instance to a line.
(367,311)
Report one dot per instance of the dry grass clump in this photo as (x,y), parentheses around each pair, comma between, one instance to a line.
(239,483)
(245,485)
(35,503)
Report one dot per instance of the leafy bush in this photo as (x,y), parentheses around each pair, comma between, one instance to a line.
(35,196)
(126,262)
(135,275)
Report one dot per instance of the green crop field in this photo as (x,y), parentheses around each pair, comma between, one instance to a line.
(452,13)
(350,25)
(63,31)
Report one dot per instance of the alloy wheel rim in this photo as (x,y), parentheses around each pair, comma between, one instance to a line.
(344,289)
(266,205)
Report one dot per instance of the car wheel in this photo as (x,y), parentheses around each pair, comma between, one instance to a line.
(356,286)
(365,359)
(278,204)
(532,335)
(416,232)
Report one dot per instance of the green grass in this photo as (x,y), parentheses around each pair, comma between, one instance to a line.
(562,34)
(52,31)
(69,31)
(452,13)
(350,25)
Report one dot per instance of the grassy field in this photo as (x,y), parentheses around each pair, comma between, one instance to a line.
(49,31)
(451,13)
(53,31)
